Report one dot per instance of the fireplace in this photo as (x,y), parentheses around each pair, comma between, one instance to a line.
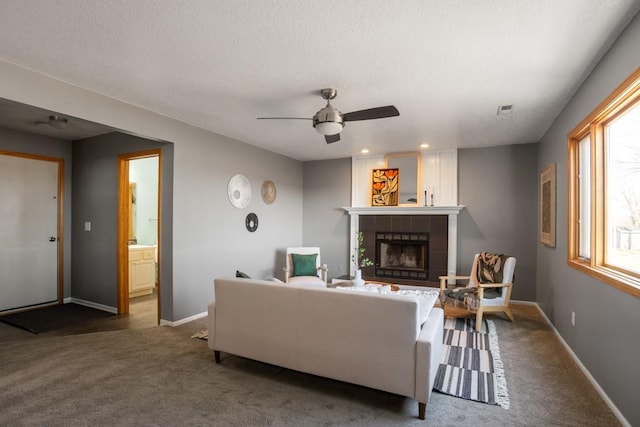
(406,249)
(402,255)
(435,226)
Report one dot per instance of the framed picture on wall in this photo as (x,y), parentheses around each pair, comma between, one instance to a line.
(385,184)
(548,205)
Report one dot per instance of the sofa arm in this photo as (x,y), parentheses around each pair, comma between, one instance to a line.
(428,354)
(211,324)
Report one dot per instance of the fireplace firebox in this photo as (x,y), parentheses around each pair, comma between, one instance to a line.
(402,255)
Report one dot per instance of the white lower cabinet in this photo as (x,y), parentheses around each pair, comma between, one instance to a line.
(142,270)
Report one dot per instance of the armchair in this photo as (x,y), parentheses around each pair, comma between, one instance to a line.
(303,267)
(483,294)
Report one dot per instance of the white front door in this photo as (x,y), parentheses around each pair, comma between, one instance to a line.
(28,231)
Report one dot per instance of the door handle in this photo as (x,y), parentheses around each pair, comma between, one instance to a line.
(52,239)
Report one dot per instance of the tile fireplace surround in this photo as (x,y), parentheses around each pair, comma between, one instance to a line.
(438,223)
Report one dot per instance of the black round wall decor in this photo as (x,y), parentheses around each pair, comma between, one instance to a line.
(252,222)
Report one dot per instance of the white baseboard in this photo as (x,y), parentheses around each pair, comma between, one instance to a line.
(182,321)
(583,368)
(79,301)
(114,310)
(515,301)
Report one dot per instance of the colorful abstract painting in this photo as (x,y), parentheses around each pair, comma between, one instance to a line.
(385,185)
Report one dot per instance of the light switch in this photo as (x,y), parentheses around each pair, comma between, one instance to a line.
(87,226)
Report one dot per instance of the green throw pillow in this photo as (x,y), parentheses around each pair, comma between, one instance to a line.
(304,265)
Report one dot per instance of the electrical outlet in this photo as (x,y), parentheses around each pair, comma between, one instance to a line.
(573,318)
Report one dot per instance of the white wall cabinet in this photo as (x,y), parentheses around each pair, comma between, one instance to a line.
(142,270)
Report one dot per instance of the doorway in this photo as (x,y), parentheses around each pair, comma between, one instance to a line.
(139,238)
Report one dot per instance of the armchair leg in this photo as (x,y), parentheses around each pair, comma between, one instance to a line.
(216,354)
(479,319)
(509,315)
(422,409)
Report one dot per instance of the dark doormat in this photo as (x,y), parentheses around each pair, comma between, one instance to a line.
(53,318)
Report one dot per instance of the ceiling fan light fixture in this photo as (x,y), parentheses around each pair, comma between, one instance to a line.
(328,128)
(328,121)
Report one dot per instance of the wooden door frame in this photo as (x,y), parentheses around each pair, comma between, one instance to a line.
(122,226)
(60,224)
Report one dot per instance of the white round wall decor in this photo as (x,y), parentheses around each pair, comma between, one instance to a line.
(239,191)
(268,192)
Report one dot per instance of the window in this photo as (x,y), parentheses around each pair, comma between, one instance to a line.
(604,190)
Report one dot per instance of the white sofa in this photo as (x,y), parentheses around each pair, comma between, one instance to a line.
(371,339)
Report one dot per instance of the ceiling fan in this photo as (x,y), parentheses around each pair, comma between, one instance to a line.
(329,121)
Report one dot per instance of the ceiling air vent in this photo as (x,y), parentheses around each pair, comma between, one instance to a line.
(504,109)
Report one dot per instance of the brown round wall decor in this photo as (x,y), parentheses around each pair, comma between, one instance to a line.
(268,192)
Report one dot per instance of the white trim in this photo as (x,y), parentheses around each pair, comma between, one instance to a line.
(115,311)
(182,321)
(452,245)
(515,301)
(584,370)
(403,210)
(97,306)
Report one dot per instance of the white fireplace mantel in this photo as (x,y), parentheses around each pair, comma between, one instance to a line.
(404,210)
(451,211)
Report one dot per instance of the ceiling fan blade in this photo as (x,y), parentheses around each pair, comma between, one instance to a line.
(371,113)
(284,118)
(332,138)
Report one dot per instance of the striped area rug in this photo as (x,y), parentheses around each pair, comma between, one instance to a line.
(471,367)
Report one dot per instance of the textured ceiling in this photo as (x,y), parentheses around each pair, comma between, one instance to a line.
(446,65)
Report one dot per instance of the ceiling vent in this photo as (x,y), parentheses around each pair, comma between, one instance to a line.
(504,110)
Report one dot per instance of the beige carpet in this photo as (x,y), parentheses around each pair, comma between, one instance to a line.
(160,376)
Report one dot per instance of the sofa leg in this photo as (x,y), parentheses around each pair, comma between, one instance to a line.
(216,354)
(422,409)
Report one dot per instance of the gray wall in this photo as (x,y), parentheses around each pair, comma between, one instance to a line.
(95,186)
(605,337)
(203,235)
(498,187)
(327,188)
(209,237)
(21,142)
